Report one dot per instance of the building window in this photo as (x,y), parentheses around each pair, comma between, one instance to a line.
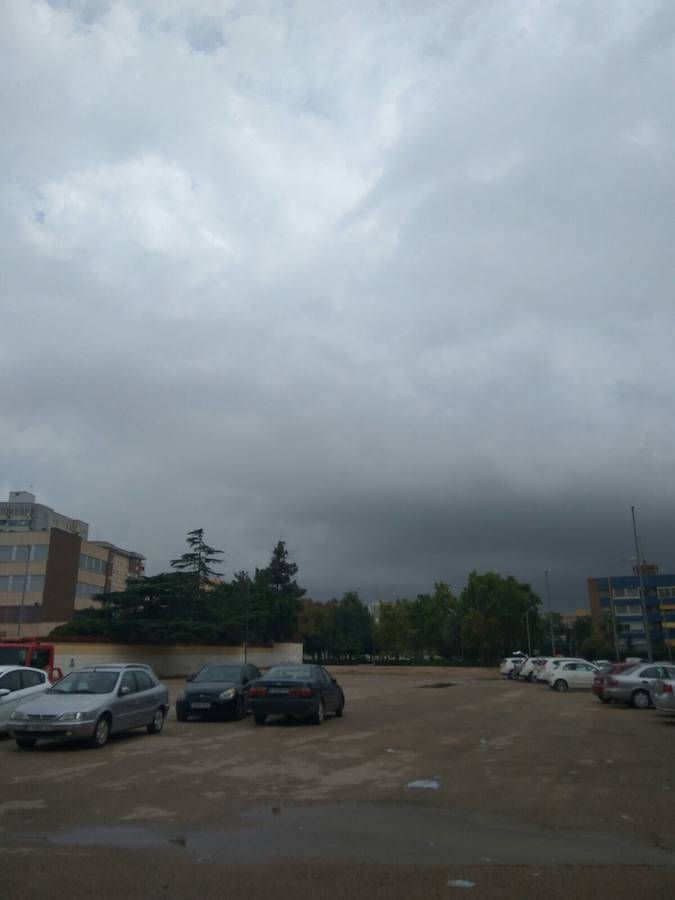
(24,552)
(91,564)
(626,593)
(87,590)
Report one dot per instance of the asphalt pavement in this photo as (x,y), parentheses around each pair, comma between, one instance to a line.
(436,783)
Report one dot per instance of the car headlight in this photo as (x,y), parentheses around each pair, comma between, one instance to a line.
(181,695)
(18,716)
(72,716)
(229,694)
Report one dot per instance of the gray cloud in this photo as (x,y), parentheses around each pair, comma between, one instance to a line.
(392,283)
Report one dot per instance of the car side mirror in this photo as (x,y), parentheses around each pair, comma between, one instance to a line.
(190,677)
(334,680)
(244,680)
(124,691)
(4,692)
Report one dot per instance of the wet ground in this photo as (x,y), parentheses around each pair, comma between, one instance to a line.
(437,782)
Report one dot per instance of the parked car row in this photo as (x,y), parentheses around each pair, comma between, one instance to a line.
(636,683)
(94,702)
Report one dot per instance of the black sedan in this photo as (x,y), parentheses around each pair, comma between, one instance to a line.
(218,690)
(299,691)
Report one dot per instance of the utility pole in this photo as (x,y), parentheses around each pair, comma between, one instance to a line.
(643,599)
(550,614)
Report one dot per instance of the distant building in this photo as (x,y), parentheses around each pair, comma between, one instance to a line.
(47,574)
(619,596)
(22,513)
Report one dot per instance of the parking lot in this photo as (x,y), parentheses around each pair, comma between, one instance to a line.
(436,782)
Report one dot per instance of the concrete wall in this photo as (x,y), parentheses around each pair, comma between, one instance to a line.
(173,660)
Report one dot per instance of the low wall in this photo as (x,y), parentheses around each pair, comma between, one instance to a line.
(172,660)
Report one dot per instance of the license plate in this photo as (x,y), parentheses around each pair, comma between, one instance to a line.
(39,727)
(200,706)
(278,691)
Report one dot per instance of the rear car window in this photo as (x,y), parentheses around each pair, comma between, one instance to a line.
(291,673)
(143,681)
(32,679)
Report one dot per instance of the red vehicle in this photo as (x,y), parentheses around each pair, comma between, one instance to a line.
(30,652)
(605,673)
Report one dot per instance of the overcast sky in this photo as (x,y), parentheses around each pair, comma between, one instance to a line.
(391,281)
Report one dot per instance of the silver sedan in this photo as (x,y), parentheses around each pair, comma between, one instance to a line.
(663,696)
(93,703)
(636,686)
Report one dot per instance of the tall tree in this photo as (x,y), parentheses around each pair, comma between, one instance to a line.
(394,633)
(197,562)
(501,607)
(278,595)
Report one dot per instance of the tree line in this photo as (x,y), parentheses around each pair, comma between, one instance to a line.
(491,617)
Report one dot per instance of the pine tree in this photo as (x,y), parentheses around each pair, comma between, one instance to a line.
(196,564)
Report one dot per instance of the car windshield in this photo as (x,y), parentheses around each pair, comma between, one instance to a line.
(290,673)
(218,673)
(13,656)
(86,683)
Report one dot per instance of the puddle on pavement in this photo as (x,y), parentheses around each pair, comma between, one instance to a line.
(390,835)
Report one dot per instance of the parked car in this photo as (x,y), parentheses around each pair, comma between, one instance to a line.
(604,673)
(663,696)
(299,691)
(217,690)
(93,703)
(552,663)
(532,665)
(572,675)
(635,686)
(19,683)
(510,665)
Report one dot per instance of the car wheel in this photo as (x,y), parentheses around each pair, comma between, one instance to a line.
(259,719)
(561,685)
(101,733)
(157,721)
(26,743)
(318,716)
(181,716)
(641,700)
(339,712)
(238,711)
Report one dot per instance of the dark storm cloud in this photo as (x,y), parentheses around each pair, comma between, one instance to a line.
(393,284)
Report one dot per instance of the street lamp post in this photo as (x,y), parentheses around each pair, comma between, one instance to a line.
(643,600)
(550,614)
(527,625)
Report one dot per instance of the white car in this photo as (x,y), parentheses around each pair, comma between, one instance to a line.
(19,683)
(574,674)
(552,664)
(510,665)
(531,667)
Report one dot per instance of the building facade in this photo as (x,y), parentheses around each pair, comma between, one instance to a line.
(47,575)
(618,599)
(22,513)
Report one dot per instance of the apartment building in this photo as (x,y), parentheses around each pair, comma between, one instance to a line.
(618,596)
(22,513)
(46,575)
